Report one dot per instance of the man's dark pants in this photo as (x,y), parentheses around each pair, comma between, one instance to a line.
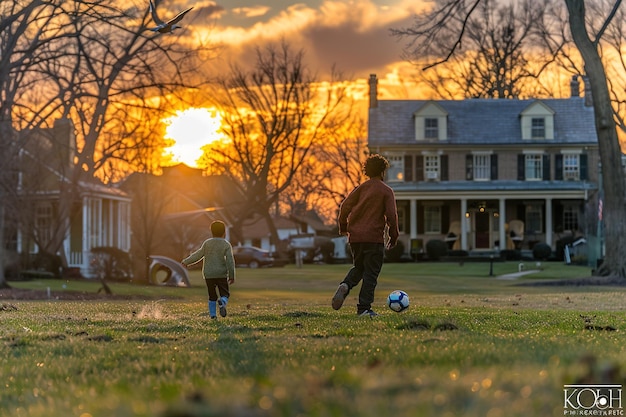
(368,261)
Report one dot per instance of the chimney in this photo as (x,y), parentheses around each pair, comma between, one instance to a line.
(588,95)
(575,86)
(65,140)
(373,91)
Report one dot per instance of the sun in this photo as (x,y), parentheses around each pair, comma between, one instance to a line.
(190,130)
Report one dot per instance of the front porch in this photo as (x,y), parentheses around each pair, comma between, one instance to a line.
(493,223)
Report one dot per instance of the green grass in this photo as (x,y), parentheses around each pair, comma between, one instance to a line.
(470,345)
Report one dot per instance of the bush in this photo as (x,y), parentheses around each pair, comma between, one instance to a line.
(436,249)
(45,262)
(542,251)
(395,254)
(111,263)
(511,254)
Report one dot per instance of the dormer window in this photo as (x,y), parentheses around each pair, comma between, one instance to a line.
(431,123)
(537,122)
(538,128)
(431,128)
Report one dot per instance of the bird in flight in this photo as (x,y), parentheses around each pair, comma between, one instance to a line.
(170,25)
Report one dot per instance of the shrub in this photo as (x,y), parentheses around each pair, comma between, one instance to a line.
(511,254)
(395,254)
(436,249)
(111,263)
(542,251)
(44,262)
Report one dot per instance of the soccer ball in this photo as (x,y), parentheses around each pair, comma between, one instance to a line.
(398,301)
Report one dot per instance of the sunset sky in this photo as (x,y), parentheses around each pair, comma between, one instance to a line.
(353,35)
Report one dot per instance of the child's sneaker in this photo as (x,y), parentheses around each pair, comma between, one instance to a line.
(368,313)
(340,295)
(222,305)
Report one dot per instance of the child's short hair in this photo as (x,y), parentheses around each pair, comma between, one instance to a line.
(218,228)
(375,165)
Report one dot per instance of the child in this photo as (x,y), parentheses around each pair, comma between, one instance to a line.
(364,216)
(218,267)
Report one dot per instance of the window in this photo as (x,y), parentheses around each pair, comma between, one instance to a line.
(534,167)
(570,217)
(44,223)
(534,218)
(431,128)
(401,219)
(432,219)
(571,167)
(431,167)
(482,167)
(538,128)
(396,168)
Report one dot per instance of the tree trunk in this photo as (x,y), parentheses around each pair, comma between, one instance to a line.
(614,192)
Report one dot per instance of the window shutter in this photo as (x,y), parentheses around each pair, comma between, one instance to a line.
(445,218)
(494,166)
(469,167)
(584,171)
(558,167)
(443,160)
(546,167)
(420,219)
(408,167)
(419,168)
(521,168)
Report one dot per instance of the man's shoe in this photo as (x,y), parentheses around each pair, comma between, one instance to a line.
(222,305)
(368,313)
(340,295)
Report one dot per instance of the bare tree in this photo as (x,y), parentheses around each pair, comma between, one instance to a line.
(25,29)
(274,113)
(482,49)
(97,65)
(333,168)
(614,205)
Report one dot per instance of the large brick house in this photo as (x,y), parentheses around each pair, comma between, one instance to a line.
(489,174)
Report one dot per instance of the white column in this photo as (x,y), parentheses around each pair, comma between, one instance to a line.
(84,266)
(549,226)
(464,228)
(502,221)
(413,218)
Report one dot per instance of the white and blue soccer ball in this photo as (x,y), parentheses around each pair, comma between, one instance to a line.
(398,301)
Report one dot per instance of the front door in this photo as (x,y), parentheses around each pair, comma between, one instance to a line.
(481,228)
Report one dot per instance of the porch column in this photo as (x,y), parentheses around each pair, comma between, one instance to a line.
(84,259)
(501,223)
(413,218)
(464,225)
(549,226)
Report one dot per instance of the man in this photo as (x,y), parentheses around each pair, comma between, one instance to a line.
(364,216)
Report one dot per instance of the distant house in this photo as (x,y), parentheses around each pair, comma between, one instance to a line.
(256,232)
(98,215)
(172,212)
(487,174)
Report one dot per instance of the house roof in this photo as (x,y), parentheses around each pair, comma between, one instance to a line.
(481,121)
(256,227)
(187,192)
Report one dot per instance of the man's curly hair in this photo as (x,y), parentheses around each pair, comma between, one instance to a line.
(375,165)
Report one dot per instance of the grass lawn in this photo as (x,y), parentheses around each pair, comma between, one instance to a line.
(470,345)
